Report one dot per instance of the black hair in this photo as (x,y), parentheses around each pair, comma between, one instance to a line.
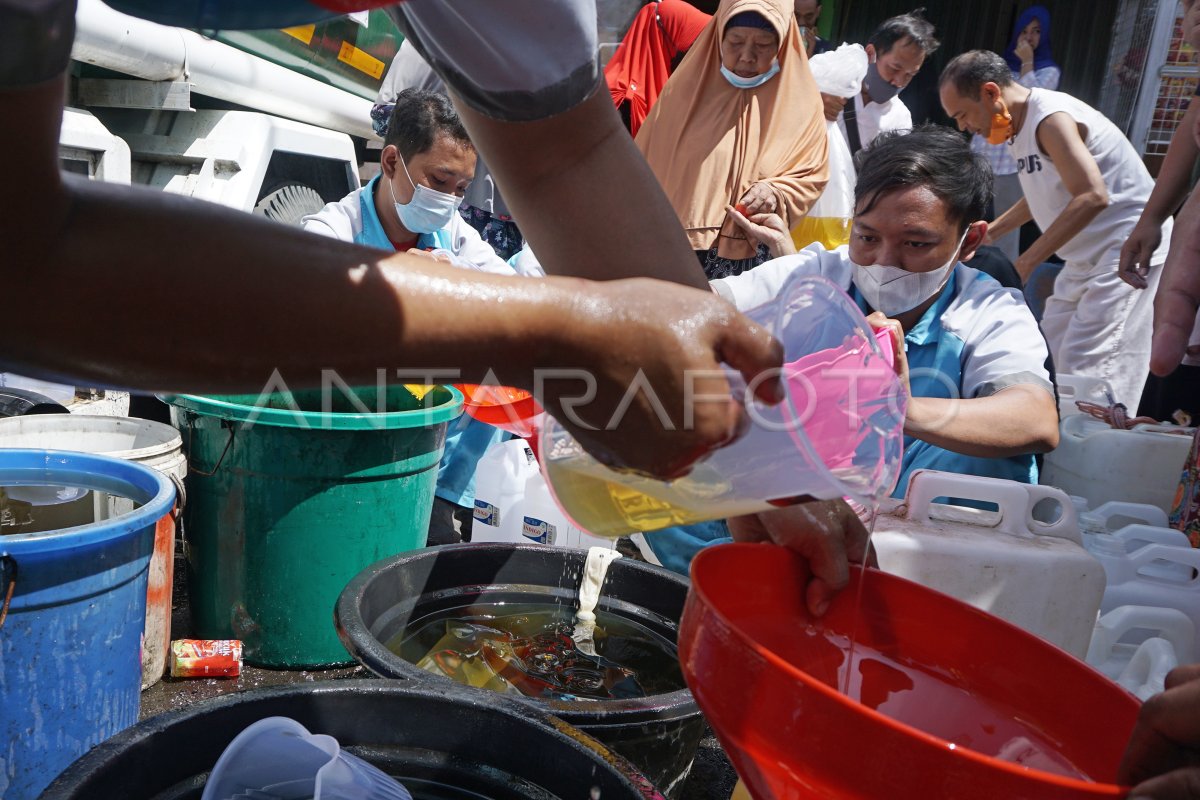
(419,118)
(971,70)
(911,26)
(932,156)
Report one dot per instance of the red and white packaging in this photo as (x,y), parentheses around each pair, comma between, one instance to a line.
(206,658)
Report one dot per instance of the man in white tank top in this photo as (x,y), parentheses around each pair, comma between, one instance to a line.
(1085,187)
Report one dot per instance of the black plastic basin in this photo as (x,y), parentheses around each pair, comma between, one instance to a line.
(442,742)
(659,734)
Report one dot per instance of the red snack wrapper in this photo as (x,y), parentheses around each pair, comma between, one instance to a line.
(206,658)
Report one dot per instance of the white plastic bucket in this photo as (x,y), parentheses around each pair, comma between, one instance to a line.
(151,444)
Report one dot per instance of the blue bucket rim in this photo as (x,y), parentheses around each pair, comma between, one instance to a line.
(217,406)
(144,485)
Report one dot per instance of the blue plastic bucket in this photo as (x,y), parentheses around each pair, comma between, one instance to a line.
(70,644)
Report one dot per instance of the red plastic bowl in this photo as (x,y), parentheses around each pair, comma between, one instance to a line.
(509,409)
(768,688)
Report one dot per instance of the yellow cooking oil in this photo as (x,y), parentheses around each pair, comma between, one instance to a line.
(830,232)
(418,390)
(611,508)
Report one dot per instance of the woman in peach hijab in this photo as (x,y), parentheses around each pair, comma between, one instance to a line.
(740,123)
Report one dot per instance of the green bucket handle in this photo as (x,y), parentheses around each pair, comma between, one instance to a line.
(192,468)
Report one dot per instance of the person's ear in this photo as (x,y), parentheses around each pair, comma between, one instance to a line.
(387,161)
(870,53)
(976,234)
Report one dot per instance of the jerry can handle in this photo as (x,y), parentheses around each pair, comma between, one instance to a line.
(1081,426)
(1151,534)
(1015,501)
(1067,524)
(1168,623)
(1081,387)
(1141,513)
(1158,427)
(1165,552)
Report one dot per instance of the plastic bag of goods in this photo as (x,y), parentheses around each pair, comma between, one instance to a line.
(839,73)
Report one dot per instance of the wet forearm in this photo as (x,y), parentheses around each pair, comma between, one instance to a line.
(231,298)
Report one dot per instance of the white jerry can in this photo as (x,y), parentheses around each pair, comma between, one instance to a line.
(514,505)
(1080,387)
(545,523)
(1137,646)
(1036,575)
(1114,515)
(1160,575)
(1101,463)
(500,479)
(1116,548)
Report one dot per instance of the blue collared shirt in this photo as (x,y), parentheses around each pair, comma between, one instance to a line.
(935,361)
(977,339)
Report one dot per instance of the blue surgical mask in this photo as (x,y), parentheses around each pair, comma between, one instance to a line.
(879,90)
(429,210)
(739,82)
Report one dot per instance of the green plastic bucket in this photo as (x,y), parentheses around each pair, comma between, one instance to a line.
(290,495)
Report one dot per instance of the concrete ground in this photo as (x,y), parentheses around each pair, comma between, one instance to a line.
(712,777)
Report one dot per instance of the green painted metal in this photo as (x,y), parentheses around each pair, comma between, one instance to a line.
(280,515)
(829,11)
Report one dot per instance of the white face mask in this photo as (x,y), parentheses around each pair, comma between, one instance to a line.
(428,211)
(894,290)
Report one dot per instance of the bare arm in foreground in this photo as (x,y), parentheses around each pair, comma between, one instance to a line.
(141,289)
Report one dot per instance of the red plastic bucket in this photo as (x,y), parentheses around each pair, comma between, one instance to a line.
(937,677)
(504,407)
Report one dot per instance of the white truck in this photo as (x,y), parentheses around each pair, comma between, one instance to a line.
(273,122)
(267,121)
